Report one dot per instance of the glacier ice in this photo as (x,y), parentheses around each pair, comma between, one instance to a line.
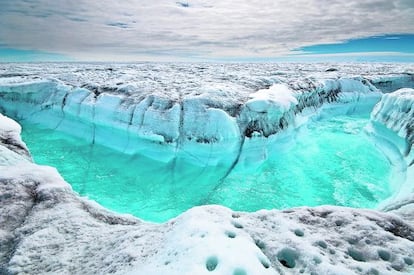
(209,107)
(165,118)
(393,129)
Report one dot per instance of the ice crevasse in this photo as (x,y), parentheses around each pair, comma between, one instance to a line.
(42,216)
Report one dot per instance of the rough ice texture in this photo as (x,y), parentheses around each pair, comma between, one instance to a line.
(48,229)
(148,108)
(393,128)
(12,149)
(396,112)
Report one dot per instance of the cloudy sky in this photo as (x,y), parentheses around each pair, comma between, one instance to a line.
(229,30)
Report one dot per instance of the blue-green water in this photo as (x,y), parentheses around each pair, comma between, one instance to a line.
(332,162)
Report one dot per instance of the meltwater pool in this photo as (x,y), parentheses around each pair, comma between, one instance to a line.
(332,161)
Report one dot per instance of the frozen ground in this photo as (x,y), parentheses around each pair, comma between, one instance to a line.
(47,228)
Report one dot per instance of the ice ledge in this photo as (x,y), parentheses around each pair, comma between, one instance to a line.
(48,229)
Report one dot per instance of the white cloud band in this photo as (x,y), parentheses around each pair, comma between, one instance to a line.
(135,29)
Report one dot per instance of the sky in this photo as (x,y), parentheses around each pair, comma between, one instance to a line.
(206,30)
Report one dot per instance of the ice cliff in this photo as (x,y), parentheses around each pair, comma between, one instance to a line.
(392,125)
(218,109)
(48,229)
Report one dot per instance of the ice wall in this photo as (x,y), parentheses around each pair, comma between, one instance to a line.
(210,128)
(395,111)
(202,113)
(207,115)
(391,83)
(47,229)
(393,130)
(192,114)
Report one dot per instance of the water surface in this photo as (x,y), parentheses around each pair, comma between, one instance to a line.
(331,162)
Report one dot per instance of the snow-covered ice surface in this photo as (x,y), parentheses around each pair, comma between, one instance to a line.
(173,108)
(166,109)
(13,150)
(47,229)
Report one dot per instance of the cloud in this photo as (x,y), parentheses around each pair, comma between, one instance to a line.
(183,4)
(200,29)
(118,25)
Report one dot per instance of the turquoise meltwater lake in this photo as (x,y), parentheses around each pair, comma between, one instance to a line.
(332,161)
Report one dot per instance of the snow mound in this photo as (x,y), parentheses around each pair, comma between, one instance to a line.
(278,94)
(12,148)
(48,229)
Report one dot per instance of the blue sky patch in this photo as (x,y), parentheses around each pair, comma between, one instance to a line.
(400,43)
(16,55)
